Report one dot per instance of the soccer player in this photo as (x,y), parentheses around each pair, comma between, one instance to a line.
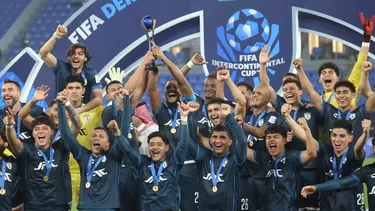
(219,168)
(78,56)
(8,169)
(283,166)
(337,160)
(362,175)
(223,75)
(246,89)
(365,88)
(99,167)
(344,93)
(43,163)
(255,124)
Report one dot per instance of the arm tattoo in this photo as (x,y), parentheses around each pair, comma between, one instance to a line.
(74,118)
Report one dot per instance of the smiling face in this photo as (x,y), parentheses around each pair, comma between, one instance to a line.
(172,93)
(42,134)
(209,88)
(275,144)
(76,91)
(292,94)
(52,114)
(340,139)
(344,96)
(157,149)
(99,142)
(215,113)
(10,94)
(260,97)
(246,92)
(328,79)
(220,142)
(113,91)
(77,58)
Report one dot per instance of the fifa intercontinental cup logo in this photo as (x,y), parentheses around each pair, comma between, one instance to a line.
(240,41)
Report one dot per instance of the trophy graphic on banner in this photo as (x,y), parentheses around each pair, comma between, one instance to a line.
(148,24)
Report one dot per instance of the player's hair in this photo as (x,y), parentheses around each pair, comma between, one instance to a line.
(52,103)
(343,124)
(215,101)
(75,46)
(211,75)
(329,65)
(110,83)
(291,75)
(291,80)
(222,128)
(73,79)
(246,84)
(230,103)
(42,120)
(106,131)
(344,83)
(159,134)
(276,129)
(3,136)
(9,81)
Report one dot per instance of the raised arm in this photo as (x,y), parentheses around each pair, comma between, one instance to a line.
(365,87)
(240,108)
(66,135)
(153,91)
(264,80)
(15,144)
(45,51)
(196,59)
(238,137)
(39,94)
(183,84)
(76,125)
(315,98)
(311,144)
(126,113)
(359,150)
(370,103)
(122,144)
(96,101)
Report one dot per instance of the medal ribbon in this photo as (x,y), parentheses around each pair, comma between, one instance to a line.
(250,137)
(347,115)
(215,177)
(56,136)
(329,98)
(48,162)
(174,118)
(2,180)
(91,169)
(337,172)
(154,176)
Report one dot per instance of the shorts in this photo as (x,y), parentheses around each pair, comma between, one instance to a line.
(243,199)
(129,188)
(189,187)
(308,177)
(258,194)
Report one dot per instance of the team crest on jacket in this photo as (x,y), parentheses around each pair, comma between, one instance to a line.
(9,165)
(86,117)
(307,115)
(352,116)
(261,122)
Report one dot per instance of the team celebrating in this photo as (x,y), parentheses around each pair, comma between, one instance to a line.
(265,151)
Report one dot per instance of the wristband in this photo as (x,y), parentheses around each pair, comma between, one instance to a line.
(9,126)
(190,64)
(67,104)
(365,44)
(57,37)
(184,118)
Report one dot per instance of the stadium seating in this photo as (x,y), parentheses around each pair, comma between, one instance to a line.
(9,12)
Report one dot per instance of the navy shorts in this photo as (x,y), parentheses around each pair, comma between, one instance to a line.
(308,177)
(189,186)
(129,189)
(244,201)
(258,194)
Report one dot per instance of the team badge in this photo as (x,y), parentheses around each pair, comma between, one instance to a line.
(9,166)
(251,143)
(307,115)
(352,116)
(272,120)
(86,117)
(261,122)
(104,159)
(335,115)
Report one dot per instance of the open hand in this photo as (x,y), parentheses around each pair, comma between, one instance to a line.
(41,93)
(264,55)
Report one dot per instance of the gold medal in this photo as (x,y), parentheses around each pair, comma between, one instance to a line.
(46,178)
(129,136)
(88,184)
(251,143)
(2,191)
(214,189)
(173,130)
(155,188)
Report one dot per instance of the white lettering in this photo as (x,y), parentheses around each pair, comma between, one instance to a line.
(276,173)
(84,30)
